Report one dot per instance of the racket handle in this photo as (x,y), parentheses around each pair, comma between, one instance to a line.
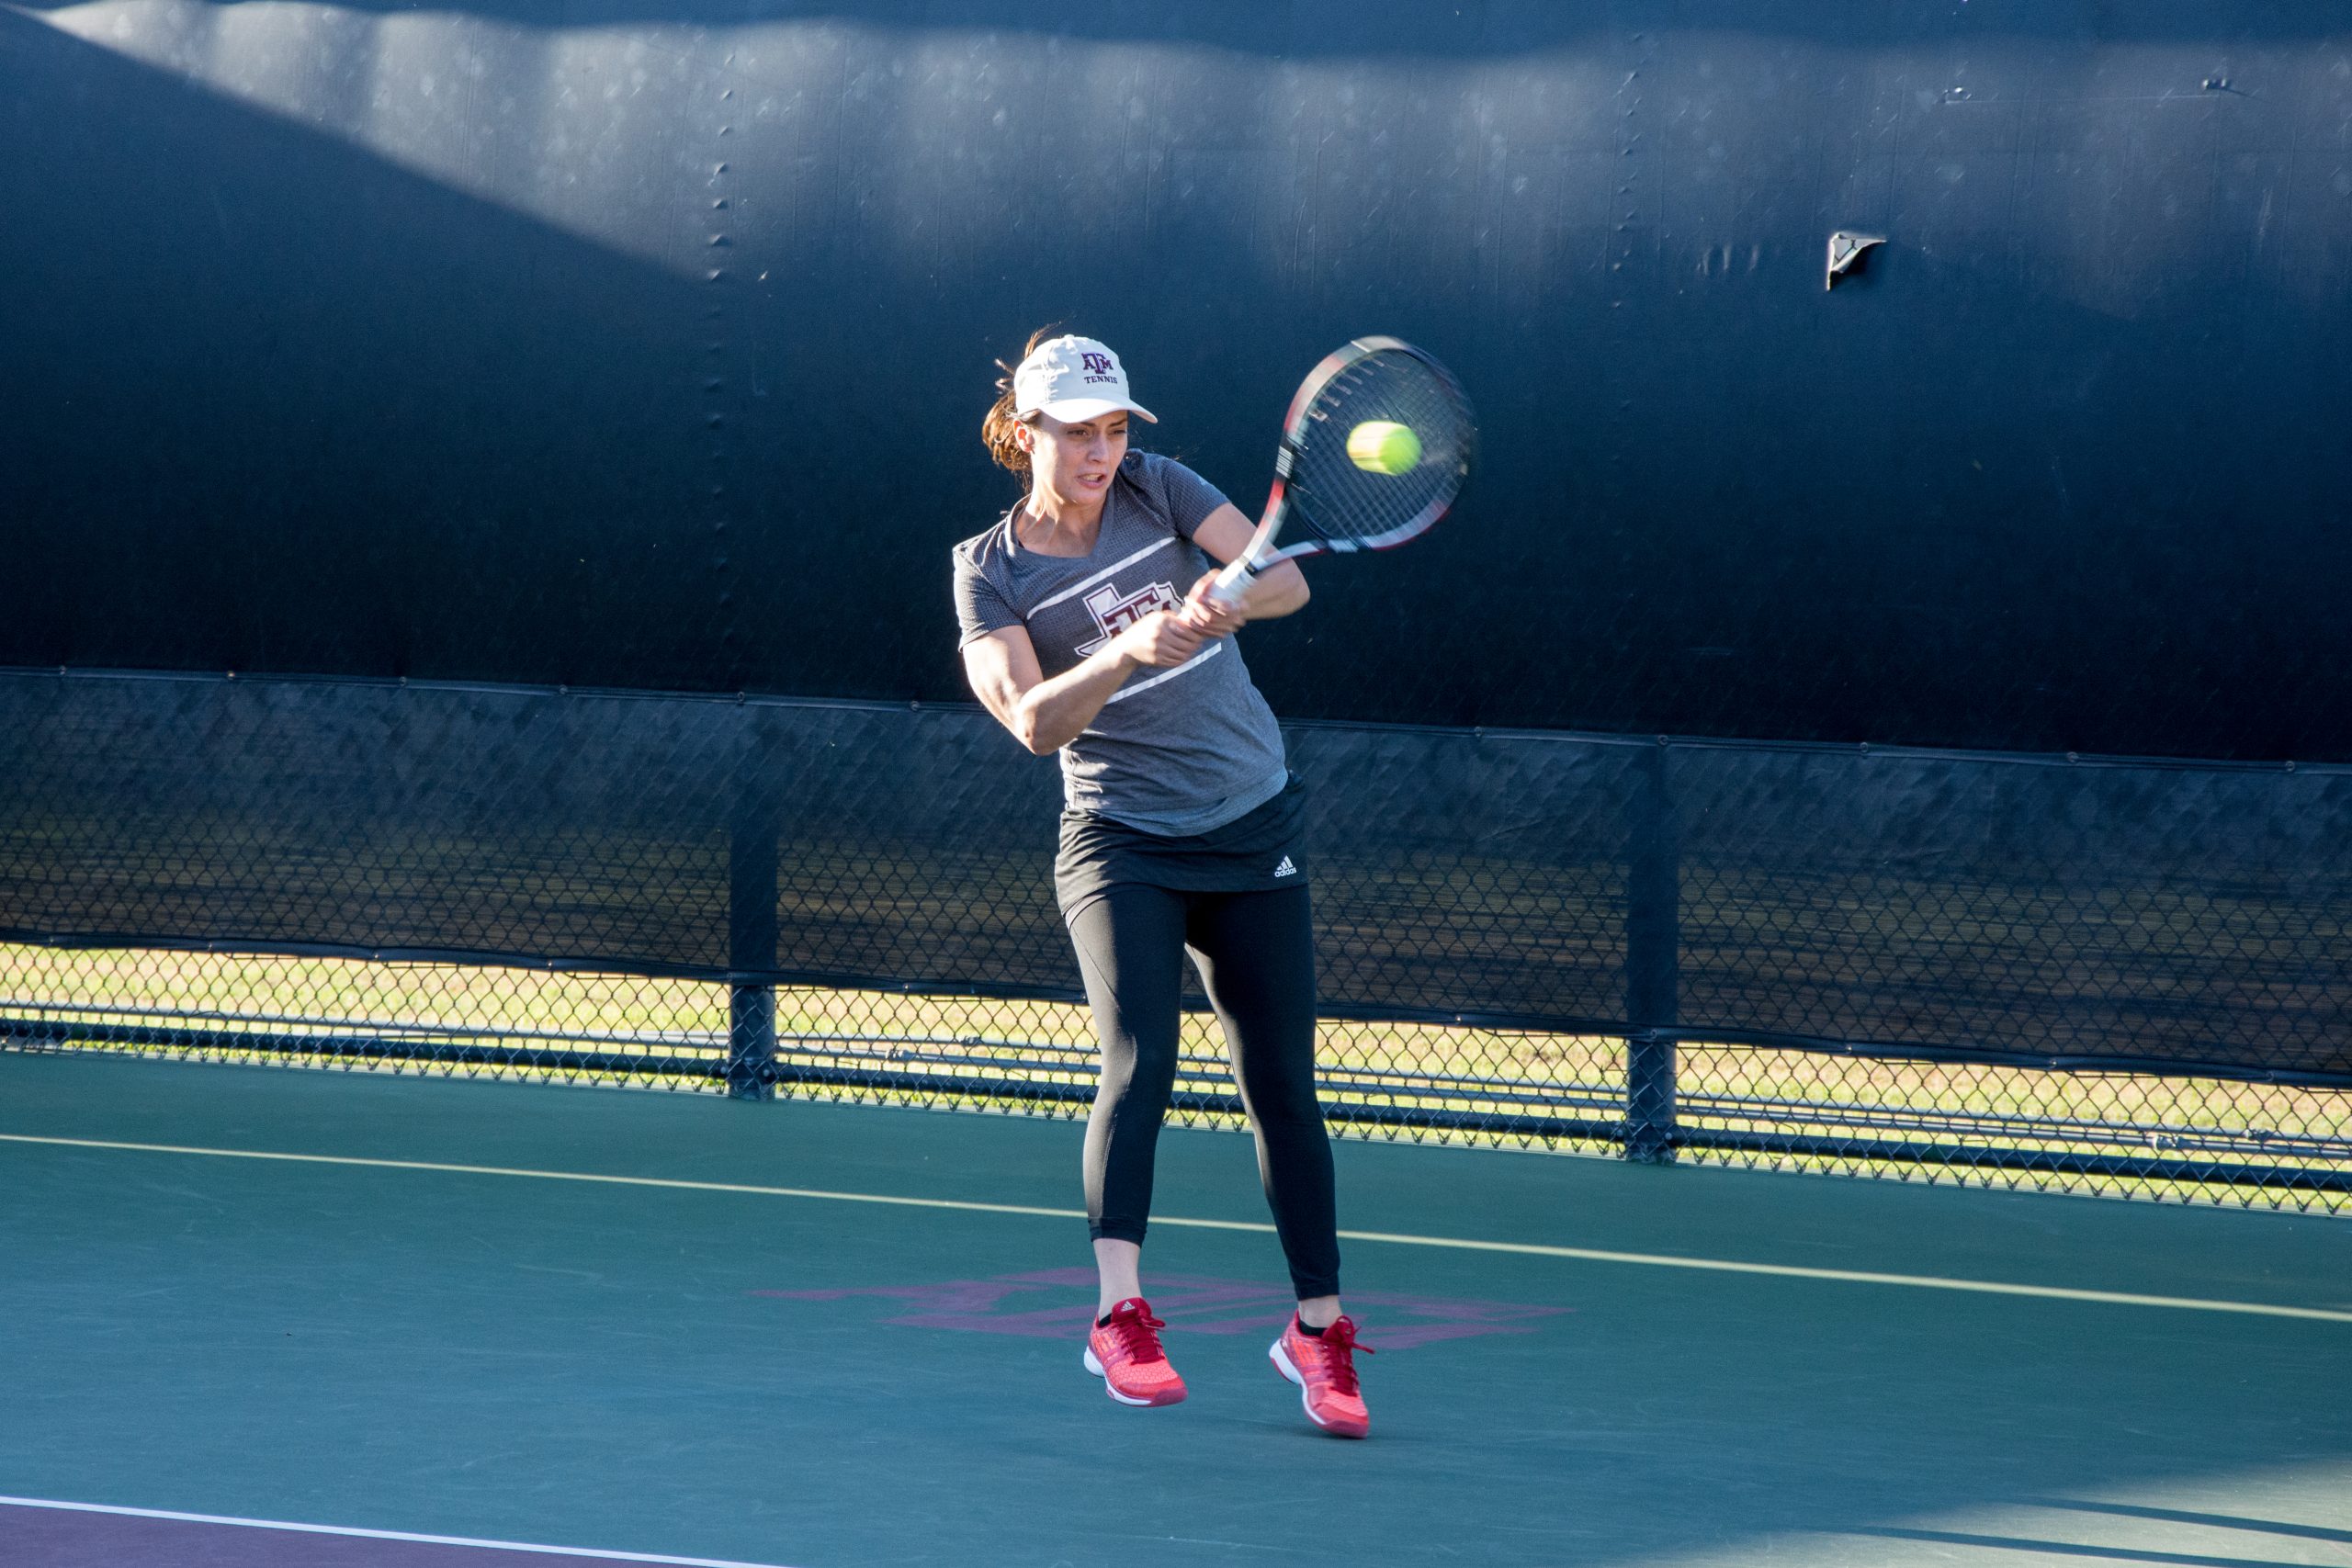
(1231,583)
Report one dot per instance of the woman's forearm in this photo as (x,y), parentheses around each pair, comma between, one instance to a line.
(1275,592)
(1053,712)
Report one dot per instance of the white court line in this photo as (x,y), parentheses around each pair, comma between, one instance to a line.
(1460,1244)
(382,1535)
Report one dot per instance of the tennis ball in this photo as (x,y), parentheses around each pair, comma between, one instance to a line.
(1378,446)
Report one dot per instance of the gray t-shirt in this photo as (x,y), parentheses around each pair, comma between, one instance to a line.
(1174,751)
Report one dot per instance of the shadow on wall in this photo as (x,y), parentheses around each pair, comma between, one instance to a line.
(295,408)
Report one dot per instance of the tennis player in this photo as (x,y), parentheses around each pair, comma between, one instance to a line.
(1088,630)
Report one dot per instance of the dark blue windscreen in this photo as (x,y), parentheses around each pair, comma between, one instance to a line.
(576,344)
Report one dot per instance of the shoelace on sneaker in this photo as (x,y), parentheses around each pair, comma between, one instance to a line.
(1340,1343)
(1138,1332)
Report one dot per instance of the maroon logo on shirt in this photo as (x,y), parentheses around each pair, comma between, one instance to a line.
(1114,611)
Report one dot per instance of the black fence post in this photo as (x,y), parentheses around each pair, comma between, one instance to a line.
(1653,941)
(751,926)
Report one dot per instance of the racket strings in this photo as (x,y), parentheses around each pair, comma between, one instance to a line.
(1345,502)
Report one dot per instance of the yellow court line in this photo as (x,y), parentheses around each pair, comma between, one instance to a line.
(1459,1244)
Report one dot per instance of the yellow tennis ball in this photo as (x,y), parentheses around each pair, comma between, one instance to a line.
(1378,446)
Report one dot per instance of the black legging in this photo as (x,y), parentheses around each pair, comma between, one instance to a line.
(1257,960)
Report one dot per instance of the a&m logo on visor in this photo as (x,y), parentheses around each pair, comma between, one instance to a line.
(1114,611)
(1098,367)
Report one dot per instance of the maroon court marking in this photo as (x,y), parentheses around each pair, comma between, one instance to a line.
(63,1537)
(1010,1303)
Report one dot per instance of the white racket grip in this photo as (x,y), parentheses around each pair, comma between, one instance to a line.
(1228,586)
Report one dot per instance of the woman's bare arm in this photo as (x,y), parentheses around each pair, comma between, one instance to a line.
(1046,715)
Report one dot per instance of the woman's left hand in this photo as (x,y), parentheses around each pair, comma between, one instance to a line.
(1209,614)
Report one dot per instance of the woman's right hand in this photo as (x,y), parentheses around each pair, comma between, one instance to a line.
(1161,639)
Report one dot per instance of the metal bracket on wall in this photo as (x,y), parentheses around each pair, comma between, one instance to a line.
(1846,251)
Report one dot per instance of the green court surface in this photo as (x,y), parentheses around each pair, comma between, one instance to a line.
(719,1349)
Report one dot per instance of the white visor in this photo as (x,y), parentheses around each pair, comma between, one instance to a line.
(1073,379)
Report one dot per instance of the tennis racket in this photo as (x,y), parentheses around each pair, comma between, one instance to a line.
(1344,477)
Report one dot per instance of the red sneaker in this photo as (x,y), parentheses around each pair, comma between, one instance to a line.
(1126,1354)
(1325,1370)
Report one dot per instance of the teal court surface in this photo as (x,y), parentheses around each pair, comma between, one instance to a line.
(255,1315)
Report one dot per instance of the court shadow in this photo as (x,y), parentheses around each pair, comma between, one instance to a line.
(2068,1549)
(2192,1517)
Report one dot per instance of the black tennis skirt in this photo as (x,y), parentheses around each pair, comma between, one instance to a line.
(1259,851)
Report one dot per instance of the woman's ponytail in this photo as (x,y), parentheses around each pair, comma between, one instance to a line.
(997,429)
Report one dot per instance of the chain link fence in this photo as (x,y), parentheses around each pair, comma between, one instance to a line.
(2086,974)
(2196,1139)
